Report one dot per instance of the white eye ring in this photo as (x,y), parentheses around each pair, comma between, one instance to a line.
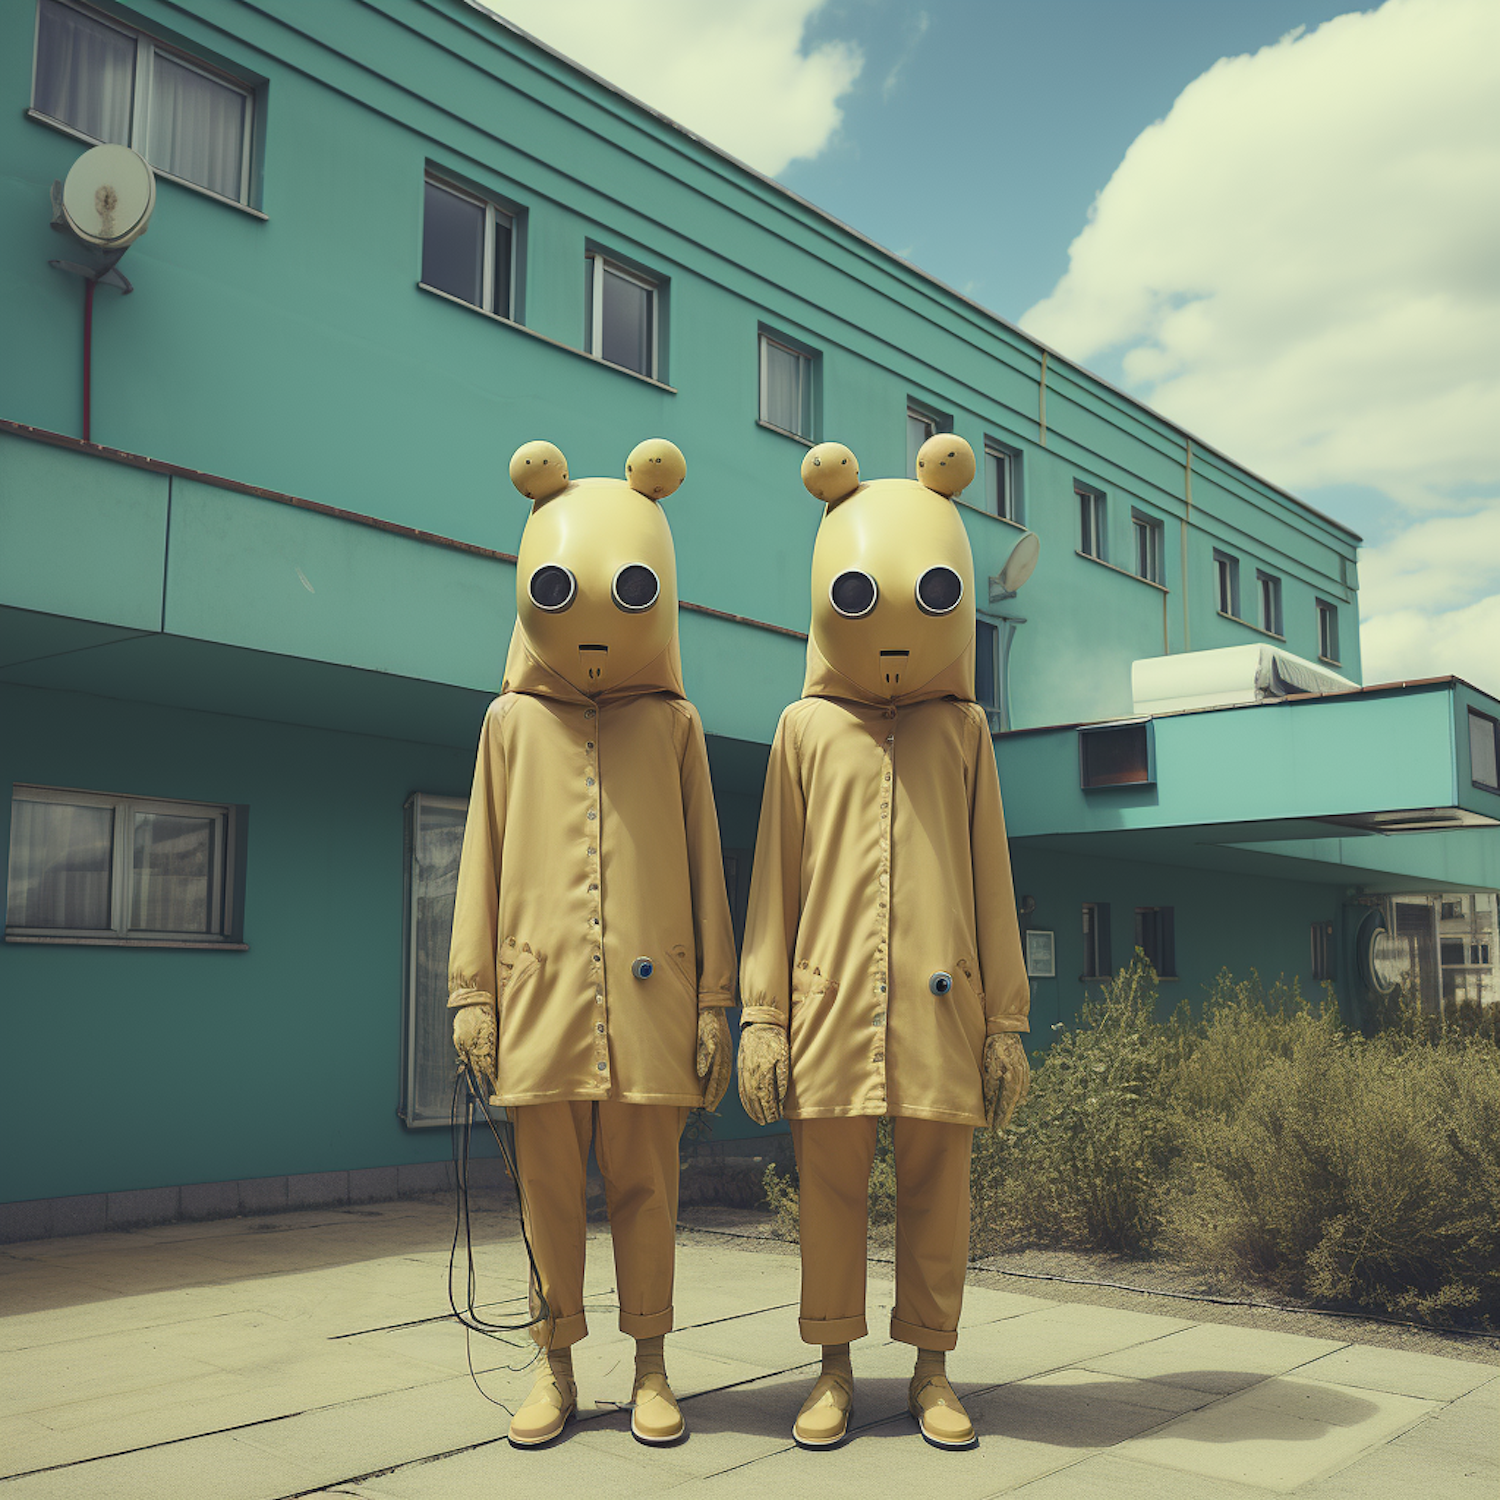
(939,568)
(874,594)
(634,609)
(552,609)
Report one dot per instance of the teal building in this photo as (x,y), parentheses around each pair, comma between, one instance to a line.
(257,581)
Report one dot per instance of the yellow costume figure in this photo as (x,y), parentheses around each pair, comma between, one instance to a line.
(592,954)
(882,971)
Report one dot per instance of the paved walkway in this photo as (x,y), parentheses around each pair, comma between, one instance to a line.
(309,1354)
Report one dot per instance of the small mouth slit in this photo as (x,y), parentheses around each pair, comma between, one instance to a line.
(895,653)
(593,648)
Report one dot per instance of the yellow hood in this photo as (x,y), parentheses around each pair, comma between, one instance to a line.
(526,672)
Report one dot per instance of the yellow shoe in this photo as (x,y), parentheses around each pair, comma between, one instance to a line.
(544,1413)
(655,1416)
(940,1414)
(823,1421)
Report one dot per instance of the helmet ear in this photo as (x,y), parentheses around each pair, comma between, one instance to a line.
(831,473)
(945,464)
(655,468)
(539,470)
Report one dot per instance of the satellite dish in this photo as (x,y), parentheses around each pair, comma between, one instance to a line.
(108,196)
(1019,565)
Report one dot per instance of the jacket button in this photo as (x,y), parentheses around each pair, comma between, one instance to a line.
(591,815)
(588,713)
(600,1028)
(602,1066)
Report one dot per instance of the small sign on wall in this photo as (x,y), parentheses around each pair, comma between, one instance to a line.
(1041,955)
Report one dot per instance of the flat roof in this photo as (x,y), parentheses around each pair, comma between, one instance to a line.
(875,245)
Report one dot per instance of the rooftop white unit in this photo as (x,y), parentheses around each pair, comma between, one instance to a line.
(1234,674)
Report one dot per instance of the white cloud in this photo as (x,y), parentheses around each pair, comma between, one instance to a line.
(1301,262)
(735,73)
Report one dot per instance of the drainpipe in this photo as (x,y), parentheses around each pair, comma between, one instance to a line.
(88,352)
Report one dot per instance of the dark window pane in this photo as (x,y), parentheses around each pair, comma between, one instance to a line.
(173,866)
(85,73)
(1483,757)
(1116,756)
(503,238)
(60,861)
(784,389)
(986,643)
(627,323)
(453,244)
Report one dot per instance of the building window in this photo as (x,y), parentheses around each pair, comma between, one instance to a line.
(1041,954)
(1097,962)
(1323,965)
(1328,631)
(622,315)
(788,378)
(1449,910)
(1270,602)
(1117,755)
(110,83)
(987,665)
(434,840)
(1227,580)
(922,423)
(1148,546)
(1479,954)
(1156,937)
(468,248)
(122,869)
(1484,751)
(1002,480)
(1092,530)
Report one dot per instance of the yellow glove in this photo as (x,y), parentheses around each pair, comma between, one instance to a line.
(1007,1076)
(715,1059)
(765,1070)
(474,1038)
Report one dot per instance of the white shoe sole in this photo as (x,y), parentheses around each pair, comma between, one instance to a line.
(657,1442)
(946,1444)
(815,1445)
(541,1442)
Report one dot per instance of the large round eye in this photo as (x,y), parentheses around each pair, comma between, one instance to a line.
(853,594)
(636,587)
(552,587)
(939,590)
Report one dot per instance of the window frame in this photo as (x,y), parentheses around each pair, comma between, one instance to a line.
(1324,954)
(811,363)
(227,876)
(493,211)
(1009,460)
(1154,530)
(1328,611)
(1093,521)
(1164,920)
(990,705)
(1098,956)
(1268,602)
(1484,786)
(147,46)
(594,327)
(1227,571)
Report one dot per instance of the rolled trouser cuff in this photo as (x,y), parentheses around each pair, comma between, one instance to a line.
(561,1333)
(832,1330)
(646,1325)
(923,1338)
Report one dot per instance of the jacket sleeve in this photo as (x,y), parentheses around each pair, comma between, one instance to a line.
(714,928)
(471,951)
(775,887)
(1007,991)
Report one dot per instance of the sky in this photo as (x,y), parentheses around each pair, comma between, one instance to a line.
(1275,221)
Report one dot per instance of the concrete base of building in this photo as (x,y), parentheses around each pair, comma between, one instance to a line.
(90,1213)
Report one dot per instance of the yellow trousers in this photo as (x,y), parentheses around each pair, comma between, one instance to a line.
(636,1148)
(932,1227)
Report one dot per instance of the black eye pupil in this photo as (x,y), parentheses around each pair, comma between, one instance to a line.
(853,594)
(636,587)
(939,590)
(552,587)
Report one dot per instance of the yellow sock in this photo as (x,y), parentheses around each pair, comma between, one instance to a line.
(930,1362)
(560,1362)
(651,1356)
(836,1361)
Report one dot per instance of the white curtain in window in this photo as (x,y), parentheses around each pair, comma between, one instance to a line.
(60,860)
(783,388)
(197,128)
(172,882)
(85,73)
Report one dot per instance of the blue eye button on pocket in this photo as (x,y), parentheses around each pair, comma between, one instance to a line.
(940,983)
(643,968)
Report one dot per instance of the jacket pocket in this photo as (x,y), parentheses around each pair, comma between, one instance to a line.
(812,993)
(681,965)
(516,967)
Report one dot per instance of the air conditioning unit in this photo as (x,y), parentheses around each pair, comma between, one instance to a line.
(1234,674)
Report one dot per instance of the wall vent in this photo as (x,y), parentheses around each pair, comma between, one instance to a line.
(1117,755)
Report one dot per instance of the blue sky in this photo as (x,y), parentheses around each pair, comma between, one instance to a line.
(1275,221)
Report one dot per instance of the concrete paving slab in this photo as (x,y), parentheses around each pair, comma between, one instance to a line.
(1394,1370)
(1280,1434)
(1215,1357)
(1106,1476)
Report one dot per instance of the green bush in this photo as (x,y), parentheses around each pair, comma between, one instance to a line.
(1259,1141)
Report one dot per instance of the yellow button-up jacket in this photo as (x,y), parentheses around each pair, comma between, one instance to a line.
(881,862)
(592,843)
